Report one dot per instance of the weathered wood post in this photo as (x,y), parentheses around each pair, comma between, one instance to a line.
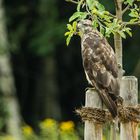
(129,92)
(93,131)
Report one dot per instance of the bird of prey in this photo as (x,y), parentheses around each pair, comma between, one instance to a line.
(100,65)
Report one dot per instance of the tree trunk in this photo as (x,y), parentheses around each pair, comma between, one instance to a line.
(45,100)
(7,87)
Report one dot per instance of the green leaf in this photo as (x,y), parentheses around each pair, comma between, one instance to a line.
(74,16)
(68,40)
(134,13)
(133,20)
(100,7)
(71,32)
(108,18)
(107,32)
(95,4)
(128,30)
(102,30)
(74,25)
(91,3)
(122,34)
(95,24)
(94,11)
(107,24)
(83,15)
(67,33)
(100,14)
(69,27)
(80,15)
(130,2)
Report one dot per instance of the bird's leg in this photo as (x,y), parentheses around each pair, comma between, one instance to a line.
(116,124)
(121,72)
(119,101)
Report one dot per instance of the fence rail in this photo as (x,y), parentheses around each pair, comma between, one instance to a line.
(129,129)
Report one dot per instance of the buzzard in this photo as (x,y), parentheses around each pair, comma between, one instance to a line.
(100,65)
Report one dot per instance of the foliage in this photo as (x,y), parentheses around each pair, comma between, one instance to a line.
(34,24)
(49,130)
(71,32)
(7,137)
(28,133)
(46,32)
(102,19)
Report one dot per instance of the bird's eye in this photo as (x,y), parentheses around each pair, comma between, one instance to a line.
(85,24)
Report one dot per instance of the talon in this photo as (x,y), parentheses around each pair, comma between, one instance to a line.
(119,100)
(119,66)
(123,72)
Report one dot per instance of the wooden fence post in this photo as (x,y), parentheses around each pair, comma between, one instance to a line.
(93,131)
(129,92)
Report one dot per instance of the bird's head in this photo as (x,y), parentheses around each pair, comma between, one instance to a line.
(84,26)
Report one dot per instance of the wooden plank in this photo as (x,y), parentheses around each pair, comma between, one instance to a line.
(92,131)
(129,92)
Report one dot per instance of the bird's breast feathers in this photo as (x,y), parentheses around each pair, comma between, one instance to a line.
(101,68)
(99,60)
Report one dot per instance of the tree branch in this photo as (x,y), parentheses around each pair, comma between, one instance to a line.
(131,24)
(118,39)
(114,16)
(125,9)
(72,1)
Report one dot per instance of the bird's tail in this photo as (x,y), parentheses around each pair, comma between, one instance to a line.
(110,104)
(107,100)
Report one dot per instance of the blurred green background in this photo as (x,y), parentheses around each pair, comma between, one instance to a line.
(39,75)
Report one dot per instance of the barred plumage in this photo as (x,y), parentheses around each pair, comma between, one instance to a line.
(100,65)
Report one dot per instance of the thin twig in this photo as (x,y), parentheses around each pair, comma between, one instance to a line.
(125,9)
(72,1)
(131,24)
(114,16)
(87,9)
(118,39)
